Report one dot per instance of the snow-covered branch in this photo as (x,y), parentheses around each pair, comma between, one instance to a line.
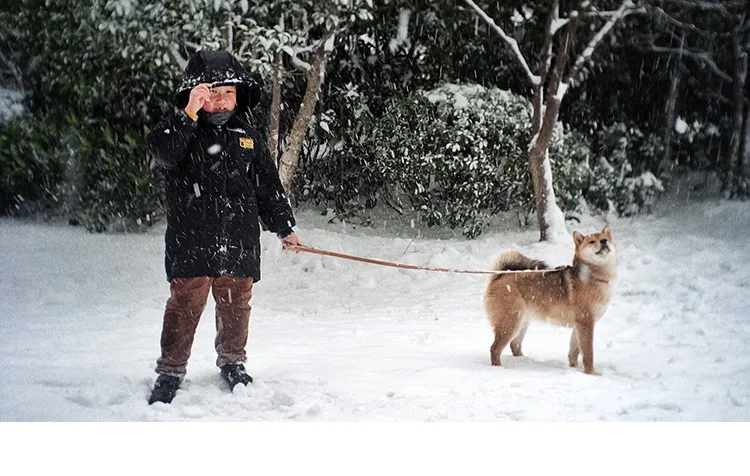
(627,7)
(511,41)
(324,45)
(294,52)
(178,58)
(557,87)
(299,64)
(557,24)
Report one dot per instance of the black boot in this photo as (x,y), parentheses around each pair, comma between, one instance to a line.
(165,389)
(234,374)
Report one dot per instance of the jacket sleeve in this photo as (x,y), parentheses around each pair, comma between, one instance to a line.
(169,141)
(274,210)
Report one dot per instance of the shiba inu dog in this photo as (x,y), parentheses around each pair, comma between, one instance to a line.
(573,296)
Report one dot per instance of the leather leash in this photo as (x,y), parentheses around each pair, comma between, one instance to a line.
(317,251)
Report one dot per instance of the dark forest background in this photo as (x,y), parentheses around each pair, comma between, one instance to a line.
(665,94)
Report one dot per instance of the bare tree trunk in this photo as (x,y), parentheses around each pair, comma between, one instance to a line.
(732,162)
(670,110)
(540,168)
(227,32)
(290,157)
(535,157)
(744,170)
(670,119)
(274,125)
(546,111)
(744,165)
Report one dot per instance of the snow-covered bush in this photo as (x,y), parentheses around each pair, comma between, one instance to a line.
(121,187)
(621,180)
(101,73)
(453,156)
(11,104)
(697,143)
(456,155)
(31,163)
(92,172)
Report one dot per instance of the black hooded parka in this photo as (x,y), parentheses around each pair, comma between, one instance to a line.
(220,180)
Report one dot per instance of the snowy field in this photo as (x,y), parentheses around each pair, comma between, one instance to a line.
(341,341)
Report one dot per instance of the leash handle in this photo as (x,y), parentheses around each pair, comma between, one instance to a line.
(317,251)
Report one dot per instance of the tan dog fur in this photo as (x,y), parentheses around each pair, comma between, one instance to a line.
(572,296)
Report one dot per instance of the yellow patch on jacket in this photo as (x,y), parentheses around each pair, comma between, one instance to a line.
(247,143)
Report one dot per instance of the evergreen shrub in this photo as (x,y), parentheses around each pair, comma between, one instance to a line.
(454,156)
(31,166)
(94,88)
(96,174)
(622,181)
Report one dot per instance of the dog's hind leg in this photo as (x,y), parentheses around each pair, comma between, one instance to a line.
(575,349)
(501,340)
(515,344)
(505,328)
(585,336)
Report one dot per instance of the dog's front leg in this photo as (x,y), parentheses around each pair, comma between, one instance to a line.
(585,336)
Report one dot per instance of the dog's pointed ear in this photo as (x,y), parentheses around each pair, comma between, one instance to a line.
(607,230)
(578,238)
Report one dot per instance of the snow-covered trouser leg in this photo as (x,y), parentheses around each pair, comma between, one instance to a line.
(181,316)
(232,296)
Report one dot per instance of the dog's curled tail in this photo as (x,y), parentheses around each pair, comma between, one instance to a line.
(512,260)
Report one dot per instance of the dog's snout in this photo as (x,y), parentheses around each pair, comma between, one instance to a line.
(603,247)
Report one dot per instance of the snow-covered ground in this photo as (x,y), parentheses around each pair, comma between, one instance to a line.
(341,341)
(336,340)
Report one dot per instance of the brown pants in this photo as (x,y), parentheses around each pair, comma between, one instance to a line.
(184,309)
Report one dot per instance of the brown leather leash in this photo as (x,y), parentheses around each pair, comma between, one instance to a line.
(317,251)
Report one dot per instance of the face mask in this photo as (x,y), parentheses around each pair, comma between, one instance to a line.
(216,118)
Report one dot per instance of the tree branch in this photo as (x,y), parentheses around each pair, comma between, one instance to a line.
(545,63)
(704,5)
(299,64)
(511,42)
(678,23)
(177,57)
(594,13)
(557,87)
(698,56)
(627,7)
(551,28)
(12,69)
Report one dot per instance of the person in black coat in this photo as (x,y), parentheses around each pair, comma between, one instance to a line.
(221,187)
